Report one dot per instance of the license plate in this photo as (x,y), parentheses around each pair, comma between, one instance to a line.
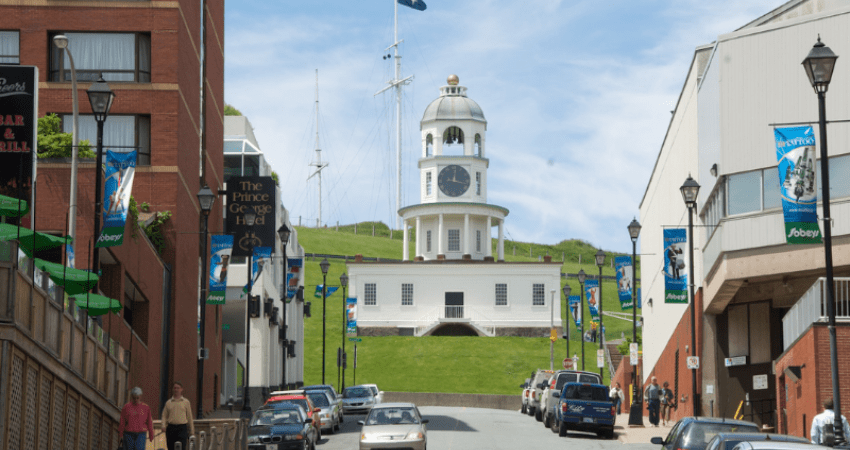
(587,419)
(271,446)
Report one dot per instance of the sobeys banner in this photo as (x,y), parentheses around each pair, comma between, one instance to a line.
(675,276)
(351,316)
(623,265)
(591,290)
(222,247)
(120,169)
(795,151)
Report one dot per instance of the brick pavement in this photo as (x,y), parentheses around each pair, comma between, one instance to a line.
(638,435)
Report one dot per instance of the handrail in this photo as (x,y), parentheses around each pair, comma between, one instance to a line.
(811,308)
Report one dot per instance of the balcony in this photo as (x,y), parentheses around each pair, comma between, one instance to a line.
(811,308)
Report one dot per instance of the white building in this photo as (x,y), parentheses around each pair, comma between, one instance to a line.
(454,285)
(270,350)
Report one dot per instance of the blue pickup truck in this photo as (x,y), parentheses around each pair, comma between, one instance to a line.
(585,407)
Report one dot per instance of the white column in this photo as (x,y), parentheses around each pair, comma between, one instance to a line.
(501,246)
(489,236)
(440,236)
(418,235)
(467,238)
(406,246)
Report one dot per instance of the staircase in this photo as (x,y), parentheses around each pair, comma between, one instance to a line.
(614,355)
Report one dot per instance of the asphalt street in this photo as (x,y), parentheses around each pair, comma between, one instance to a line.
(476,428)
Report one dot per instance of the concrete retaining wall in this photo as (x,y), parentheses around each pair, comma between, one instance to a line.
(509,402)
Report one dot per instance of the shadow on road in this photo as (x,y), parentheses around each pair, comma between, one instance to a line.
(445,423)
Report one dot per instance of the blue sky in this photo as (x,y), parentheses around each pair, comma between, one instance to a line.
(577,96)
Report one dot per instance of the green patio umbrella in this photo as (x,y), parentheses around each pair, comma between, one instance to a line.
(12,207)
(74,281)
(42,241)
(96,304)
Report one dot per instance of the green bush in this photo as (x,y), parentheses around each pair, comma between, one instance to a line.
(53,143)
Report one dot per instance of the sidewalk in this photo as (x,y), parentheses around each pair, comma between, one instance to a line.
(638,435)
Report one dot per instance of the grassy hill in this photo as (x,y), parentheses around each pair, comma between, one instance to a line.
(484,365)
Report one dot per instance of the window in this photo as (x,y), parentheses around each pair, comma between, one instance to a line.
(428,241)
(839,182)
(501,294)
(120,134)
(135,309)
(771,189)
(370,296)
(429,145)
(119,56)
(478,241)
(10,47)
(479,152)
(744,192)
(454,240)
(478,183)
(407,294)
(715,208)
(538,295)
(427,183)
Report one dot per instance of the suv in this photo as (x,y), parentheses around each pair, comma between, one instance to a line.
(562,377)
(538,384)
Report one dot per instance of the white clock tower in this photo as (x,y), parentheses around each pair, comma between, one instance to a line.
(453,219)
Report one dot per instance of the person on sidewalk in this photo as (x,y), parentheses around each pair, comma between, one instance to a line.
(652,401)
(177,422)
(665,396)
(616,395)
(822,425)
(136,422)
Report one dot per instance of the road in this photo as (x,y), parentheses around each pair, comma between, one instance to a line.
(475,428)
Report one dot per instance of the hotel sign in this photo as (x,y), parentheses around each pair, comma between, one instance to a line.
(243,195)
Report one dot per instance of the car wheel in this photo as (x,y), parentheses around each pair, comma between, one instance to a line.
(524,409)
(530,411)
(554,424)
(341,420)
(562,429)
(547,420)
(538,415)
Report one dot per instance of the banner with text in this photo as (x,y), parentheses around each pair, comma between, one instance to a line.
(351,316)
(575,309)
(795,151)
(261,258)
(220,251)
(623,264)
(120,170)
(18,131)
(328,292)
(675,276)
(591,291)
(293,276)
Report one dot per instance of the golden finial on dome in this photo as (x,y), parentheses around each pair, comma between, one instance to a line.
(453,80)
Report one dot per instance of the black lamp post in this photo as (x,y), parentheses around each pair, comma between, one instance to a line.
(600,260)
(343,281)
(283,232)
(567,289)
(250,216)
(635,411)
(324,265)
(206,199)
(819,65)
(100,98)
(689,193)
(581,278)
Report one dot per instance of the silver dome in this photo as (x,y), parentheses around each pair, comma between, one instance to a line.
(453,104)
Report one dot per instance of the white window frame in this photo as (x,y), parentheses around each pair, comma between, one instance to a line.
(370,294)
(454,240)
(502,297)
(538,294)
(407,294)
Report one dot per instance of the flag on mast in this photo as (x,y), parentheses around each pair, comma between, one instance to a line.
(415,4)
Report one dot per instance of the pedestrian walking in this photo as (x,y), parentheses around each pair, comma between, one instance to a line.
(665,397)
(135,423)
(592,331)
(616,395)
(177,422)
(652,403)
(823,431)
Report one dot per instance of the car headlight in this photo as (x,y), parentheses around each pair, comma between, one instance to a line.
(253,439)
(369,400)
(414,435)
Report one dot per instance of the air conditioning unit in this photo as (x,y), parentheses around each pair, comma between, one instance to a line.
(267,307)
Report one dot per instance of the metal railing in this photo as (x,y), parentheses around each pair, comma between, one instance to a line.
(453,312)
(811,308)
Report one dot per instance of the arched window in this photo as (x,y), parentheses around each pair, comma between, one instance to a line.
(479,150)
(429,145)
(453,139)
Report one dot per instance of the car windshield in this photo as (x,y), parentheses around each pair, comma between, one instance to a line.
(584,378)
(319,399)
(268,417)
(697,435)
(585,392)
(356,392)
(392,416)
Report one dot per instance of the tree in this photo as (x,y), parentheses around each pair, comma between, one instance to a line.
(275,178)
(53,143)
(231,111)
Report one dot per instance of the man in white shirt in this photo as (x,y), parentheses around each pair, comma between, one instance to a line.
(826,419)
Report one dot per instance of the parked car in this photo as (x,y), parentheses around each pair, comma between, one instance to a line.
(357,400)
(393,425)
(379,394)
(775,445)
(300,400)
(727,441)
(538,384)
(335,396)
(328,415)
(282,426)
(693,433)
(556,384)
(526,388)
(585,407)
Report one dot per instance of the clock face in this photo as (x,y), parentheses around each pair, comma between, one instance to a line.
(453,180)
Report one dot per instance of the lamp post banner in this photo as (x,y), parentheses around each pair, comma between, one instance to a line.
(351,316)
(120,170)
(795,151)
(591,290)
(623,265)
(328,292)
(575,309)
(675,276)
(293,276)
(261,258)
(243,194)
(220,252)
(18,130)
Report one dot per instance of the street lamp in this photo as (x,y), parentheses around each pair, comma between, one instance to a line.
(61,42)
(635,411)
(819,65)
(567,289)
(600,260)
(689,193)
(206,199)
(324,265)
(581,278)
(343,281)
(100,97)
(250,216)
(283,232)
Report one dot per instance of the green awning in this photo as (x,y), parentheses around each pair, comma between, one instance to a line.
(74,281)
(96,304)
(11,207)
(43,241)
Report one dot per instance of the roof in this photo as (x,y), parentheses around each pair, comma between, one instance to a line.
(394,405)
(717,420)
(453,104)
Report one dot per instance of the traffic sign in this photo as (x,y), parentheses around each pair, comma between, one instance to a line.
(568,363)
(355,339)
(600,358)
(693,362)
(633,354)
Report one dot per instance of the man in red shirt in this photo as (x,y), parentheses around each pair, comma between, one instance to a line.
(136,422)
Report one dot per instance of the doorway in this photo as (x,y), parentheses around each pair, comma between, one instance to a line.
(454,305)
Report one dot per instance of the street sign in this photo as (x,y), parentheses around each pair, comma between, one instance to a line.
(568,363)
(355,339)
(633,353)
(736,361)
(600,358)
(693,362)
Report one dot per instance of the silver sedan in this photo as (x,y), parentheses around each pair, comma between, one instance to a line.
(393,425)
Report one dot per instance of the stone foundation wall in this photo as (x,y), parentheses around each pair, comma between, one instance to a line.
(502,331)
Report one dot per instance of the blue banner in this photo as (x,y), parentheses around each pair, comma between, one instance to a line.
(640,304)
(351,316)
(293,276)
(120,170)
(623,264)
(328,292)
(795,151)
(415,4)
(261,259)
(675,275)
(591,291)
(220,251)
(575,309)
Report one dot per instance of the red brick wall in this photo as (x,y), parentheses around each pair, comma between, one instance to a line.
(624,377)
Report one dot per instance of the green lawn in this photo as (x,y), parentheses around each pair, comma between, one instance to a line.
(482,365)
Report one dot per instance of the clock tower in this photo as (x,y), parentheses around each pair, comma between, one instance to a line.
(453,219)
